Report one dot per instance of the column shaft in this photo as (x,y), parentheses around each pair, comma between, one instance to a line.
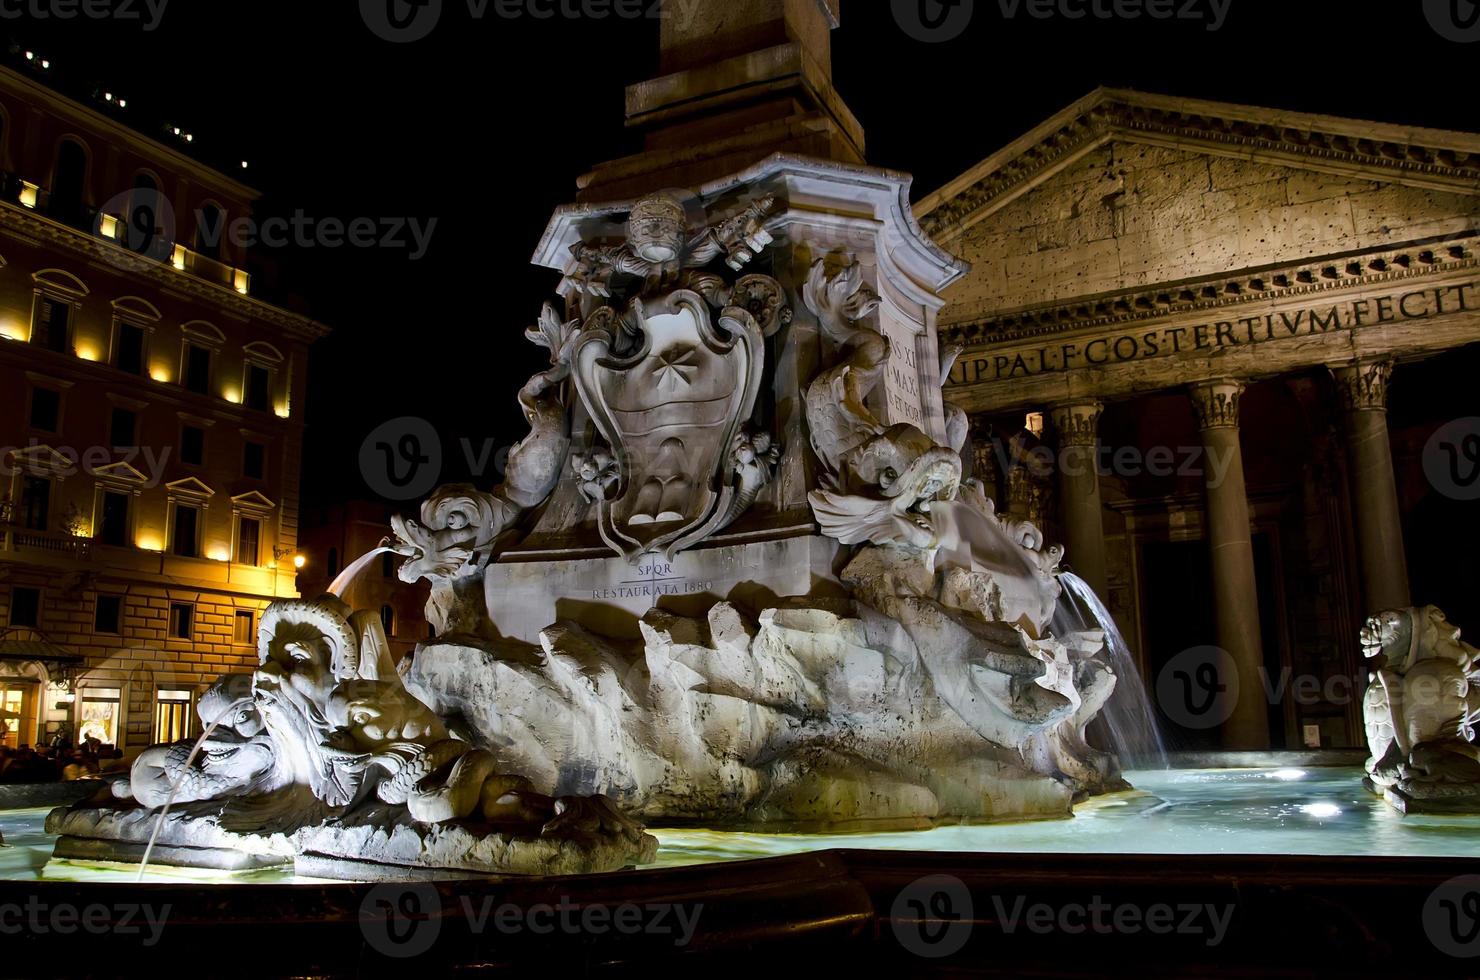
(1231,547)
(1079,492)
(1374,488)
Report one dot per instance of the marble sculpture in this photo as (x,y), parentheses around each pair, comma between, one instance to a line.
(747,371)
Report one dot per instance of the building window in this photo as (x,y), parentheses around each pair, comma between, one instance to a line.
(210,232)
(254,461)
(388,619)
(128,354)
(197,369)
(182,621)
(123,429)
(193,446)
(70,185)
(244,629)
(99,715)
(46,410)
(25,607)
(53,326)
(113,528)
(259,387)
(108,615)
(171,716)
(248,541)
(145,233)
(185,532)
(35,512)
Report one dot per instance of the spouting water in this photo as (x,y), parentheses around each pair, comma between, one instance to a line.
(352,571)
(1129,716)
(164,811)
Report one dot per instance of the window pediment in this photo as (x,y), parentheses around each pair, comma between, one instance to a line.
(252,500)
(121,472)
(62,281)
(190,488)
(40,459)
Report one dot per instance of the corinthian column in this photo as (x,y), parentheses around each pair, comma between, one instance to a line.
(1079,490)
(1235,594)
(1363,386)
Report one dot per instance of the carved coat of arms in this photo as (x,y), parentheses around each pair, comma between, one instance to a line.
(670,400)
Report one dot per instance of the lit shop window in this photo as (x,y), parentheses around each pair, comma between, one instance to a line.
(100,715)
(171,716)
(13,705)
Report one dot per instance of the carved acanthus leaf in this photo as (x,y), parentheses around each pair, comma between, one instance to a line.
(554,334)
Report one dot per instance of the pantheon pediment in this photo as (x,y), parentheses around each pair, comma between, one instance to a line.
(1153,233)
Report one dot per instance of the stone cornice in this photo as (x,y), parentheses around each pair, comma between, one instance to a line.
(1433,159)
(150,149)
(1339,272)
(34,229)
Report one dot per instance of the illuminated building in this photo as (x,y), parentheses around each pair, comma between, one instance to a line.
(149,427)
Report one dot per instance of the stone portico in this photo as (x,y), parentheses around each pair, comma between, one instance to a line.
(1211,302)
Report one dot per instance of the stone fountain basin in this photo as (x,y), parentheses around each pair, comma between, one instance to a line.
(1319,875)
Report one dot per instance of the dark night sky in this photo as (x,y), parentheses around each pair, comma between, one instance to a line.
(486,125)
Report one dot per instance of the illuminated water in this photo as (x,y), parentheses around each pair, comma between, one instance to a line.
(1187,811)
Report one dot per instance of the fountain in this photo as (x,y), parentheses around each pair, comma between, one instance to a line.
(1129,716)
(733,577)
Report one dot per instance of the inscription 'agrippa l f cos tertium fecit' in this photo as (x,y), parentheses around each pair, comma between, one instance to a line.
(1264,328)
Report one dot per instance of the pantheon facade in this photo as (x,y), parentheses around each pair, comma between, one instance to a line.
(1227,355)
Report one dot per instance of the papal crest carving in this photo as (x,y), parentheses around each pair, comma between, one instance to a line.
(670,404)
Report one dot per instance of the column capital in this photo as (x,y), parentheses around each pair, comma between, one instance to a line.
(1216,403)
(1364,384)
(1078,423)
